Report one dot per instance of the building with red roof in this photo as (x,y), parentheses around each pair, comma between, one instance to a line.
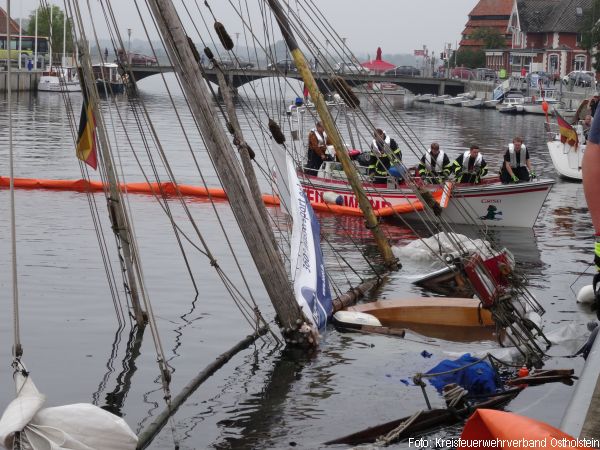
(14,26)
(493,14)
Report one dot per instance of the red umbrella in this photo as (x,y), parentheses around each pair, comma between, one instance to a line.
(378,65)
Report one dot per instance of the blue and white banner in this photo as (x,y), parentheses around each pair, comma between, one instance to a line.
(311,286)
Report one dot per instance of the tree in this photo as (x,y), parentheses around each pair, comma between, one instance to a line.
(491,37)
(470,58)
(56,37)
(590,33)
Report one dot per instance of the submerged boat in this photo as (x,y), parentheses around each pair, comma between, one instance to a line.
(425,420)
(489,203)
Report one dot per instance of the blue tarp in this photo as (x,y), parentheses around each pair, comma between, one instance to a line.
(478,379)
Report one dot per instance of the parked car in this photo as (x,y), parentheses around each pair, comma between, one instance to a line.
(410,71)
(485,74)
(136,59)
(283,65)
(227,63)
(350,67)
(580,78)
(462,73)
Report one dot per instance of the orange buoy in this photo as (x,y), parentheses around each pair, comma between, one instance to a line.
(545,106)
(523,372)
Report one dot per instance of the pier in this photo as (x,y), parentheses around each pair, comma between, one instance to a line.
(20,80)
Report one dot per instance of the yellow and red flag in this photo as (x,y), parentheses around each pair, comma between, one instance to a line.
(567,132)
(86,136)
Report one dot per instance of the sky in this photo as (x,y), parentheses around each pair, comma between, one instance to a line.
(397,26)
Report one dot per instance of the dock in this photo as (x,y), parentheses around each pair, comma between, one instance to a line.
(582,416)
(20,80)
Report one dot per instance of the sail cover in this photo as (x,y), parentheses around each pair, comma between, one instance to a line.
(79,426)
(311,287)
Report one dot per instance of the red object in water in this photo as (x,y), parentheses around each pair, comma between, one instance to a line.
(492,429)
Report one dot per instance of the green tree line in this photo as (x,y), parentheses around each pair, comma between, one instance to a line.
(43,29)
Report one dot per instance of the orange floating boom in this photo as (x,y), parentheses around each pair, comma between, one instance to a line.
(170,188)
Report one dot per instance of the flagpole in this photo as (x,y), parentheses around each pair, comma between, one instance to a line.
(51,11)
(64,54)
(35,44)
(20,36)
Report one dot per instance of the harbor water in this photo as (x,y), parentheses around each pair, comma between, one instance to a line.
(265,397)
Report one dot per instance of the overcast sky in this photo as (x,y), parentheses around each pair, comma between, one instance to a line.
(398,26)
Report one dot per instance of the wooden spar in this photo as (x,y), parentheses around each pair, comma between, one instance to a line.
(244,151)
(354,294)
(268,261)
(115,203)
(150,432)
(371,220)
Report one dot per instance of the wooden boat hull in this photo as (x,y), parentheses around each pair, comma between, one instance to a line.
(488,204)
(426,421)
(566,159)
(442,311)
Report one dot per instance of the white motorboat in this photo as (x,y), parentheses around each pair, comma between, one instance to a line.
(472,103)
(536,104)
(439,98)
(424,98)
(60,79)
(491,104)
(512,103)
(489,203)
(456,101)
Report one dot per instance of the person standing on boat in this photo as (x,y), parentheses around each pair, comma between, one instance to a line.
(435,165)
(517,165)
(470,167)
(384,154)
(317,147)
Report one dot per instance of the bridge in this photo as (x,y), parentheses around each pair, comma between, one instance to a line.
(239,77)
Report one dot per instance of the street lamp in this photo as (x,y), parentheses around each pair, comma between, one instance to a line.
(129,41)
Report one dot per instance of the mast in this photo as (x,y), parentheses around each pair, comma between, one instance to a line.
(328,123)
(116,205)
(17,348)
(265,256)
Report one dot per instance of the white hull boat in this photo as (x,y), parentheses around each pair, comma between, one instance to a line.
(454,101)
(490,103)
(567,159)
(489,203)
(439,99)
(424,98)
(473,103)
(538,108)
(54,83)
